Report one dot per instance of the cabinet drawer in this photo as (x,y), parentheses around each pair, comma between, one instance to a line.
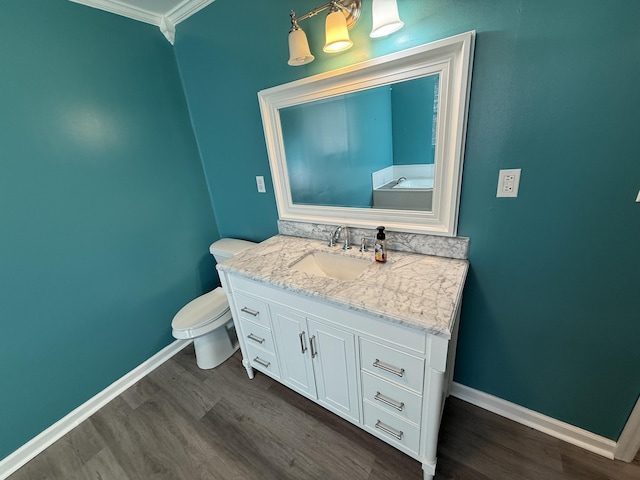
(257,336)
(390,397)
(252,309)
(391,429)
(393,365)
(263,361)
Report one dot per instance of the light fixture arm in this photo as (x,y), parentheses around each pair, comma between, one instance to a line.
(294,21)
(309,14)
(350,8)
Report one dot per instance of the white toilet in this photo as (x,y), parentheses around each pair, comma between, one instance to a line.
(207,319)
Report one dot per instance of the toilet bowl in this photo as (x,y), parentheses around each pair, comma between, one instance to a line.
(207,319)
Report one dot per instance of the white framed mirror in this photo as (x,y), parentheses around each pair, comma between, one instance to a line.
(376,143)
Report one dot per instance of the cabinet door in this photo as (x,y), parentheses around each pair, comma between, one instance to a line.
(334,361)
(292,340)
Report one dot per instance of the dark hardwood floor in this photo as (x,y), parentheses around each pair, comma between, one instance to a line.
(184,423)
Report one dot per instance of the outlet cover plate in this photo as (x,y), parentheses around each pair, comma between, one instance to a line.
(508,182)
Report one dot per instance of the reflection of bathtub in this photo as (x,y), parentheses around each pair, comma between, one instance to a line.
(410,194)
(415,183)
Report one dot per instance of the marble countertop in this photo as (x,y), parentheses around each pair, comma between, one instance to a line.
(419,291)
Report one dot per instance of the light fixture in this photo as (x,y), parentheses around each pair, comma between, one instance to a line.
(336,32)
(344,15)
(299,52)
(385,18)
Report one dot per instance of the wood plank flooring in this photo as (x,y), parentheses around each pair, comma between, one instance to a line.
(183,423)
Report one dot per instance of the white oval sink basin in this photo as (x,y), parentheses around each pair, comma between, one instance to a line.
(330,265)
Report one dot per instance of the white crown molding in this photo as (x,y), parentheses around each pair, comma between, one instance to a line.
(561,430)
(123,9)
(166,22)
(33,447)
(168,29)
(185,9)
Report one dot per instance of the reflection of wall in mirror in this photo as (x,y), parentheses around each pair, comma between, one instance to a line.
(414,128)
(333,145)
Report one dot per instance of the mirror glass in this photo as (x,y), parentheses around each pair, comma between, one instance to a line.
(377,143)
(369,149)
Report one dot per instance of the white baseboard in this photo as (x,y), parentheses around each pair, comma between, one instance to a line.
(33,447)
(629,441)
(569,433)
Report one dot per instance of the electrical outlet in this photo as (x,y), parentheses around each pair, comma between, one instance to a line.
(508,183)
(260,184)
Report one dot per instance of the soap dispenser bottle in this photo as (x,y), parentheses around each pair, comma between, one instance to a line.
(380,247)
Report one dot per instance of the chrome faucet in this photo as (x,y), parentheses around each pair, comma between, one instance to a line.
(335,236)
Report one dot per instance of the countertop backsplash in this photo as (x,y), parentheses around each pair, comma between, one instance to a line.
(449,247)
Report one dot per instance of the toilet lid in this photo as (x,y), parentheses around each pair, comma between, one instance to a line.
(202,311)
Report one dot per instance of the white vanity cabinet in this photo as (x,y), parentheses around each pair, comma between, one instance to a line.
(293,345)
(317,359)
(335,367)
(387,378)
(253,326)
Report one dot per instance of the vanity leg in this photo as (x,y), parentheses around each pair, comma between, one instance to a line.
(248,368)
(434,390)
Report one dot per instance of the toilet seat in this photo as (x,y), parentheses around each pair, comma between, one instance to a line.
(202,315)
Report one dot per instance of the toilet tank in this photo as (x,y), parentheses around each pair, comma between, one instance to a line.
(228,247)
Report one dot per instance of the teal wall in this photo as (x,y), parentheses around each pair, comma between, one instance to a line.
(106,216)
(321,139)
(104,211)
(414,112)
(550,318)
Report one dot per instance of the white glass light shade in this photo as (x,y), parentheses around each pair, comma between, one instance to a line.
(337,33)
(299,52)
(385,18)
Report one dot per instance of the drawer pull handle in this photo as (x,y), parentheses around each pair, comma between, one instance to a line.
(388,368)
(255,313)
(394,433)
(314,352)
(255,338)
(259,361)
(303,345)
(387,401)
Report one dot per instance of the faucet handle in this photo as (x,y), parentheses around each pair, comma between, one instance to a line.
(363,244)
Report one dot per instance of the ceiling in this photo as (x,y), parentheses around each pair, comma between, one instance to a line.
(164,14)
